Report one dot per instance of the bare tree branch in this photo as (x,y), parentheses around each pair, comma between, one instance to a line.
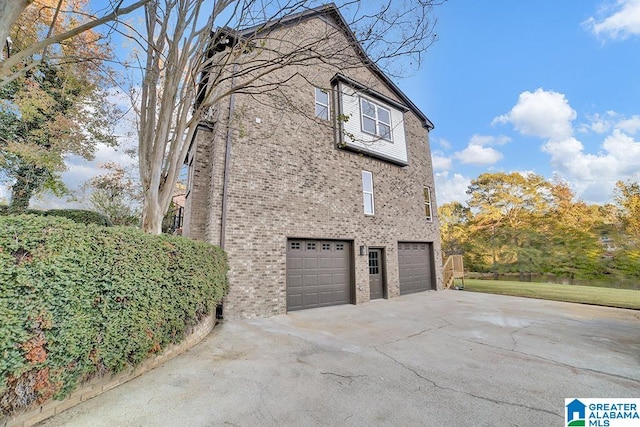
(16,65)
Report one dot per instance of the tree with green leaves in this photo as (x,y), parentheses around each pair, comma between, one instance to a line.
(508,212)
(453,219)
(53,110)
(116,195)
(57,24)
(572,229)
(627,200)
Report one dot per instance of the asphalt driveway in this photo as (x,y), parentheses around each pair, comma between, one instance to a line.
(450,358)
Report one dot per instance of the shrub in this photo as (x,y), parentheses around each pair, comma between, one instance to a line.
(81,216)
(78,301)
(77,215)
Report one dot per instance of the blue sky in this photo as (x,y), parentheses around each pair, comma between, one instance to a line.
(546,86)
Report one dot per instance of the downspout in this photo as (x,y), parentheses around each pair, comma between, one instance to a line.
(227,159)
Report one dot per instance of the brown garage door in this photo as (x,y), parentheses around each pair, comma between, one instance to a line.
(318,273)
(414,265)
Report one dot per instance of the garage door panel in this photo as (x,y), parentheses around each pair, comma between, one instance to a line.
(310,263)
(325,263)
(310,299)
(414,265)
(310,280)
(327,297)
(294,281)
(326,279)
(294,263)
(318,273)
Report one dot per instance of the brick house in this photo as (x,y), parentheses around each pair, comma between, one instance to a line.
(317,182)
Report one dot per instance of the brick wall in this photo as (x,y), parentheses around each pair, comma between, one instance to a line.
(289,179)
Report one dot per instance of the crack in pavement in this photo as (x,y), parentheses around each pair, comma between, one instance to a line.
(437,328)
(351,378)
(488,399)
(517,330)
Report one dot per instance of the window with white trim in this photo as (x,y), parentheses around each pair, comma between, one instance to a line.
(322,104)
(375,119)
(427,202)
(367,192)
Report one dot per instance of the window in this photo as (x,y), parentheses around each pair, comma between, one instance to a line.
(427,202)
(322,104)
(376,120)
(374,263)
(185,176)
(367,192)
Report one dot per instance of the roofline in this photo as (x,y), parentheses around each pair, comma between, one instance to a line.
(332,9)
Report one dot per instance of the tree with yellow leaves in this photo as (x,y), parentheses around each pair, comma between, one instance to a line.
(55,108)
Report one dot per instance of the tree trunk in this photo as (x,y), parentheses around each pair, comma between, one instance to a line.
(152,213)
(9,12)
(29,179)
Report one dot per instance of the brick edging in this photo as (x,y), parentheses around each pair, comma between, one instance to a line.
(99,385)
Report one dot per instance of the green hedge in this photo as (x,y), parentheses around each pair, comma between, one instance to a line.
(78,301)
(76,215)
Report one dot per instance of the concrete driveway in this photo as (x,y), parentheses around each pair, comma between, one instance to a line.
(450,358)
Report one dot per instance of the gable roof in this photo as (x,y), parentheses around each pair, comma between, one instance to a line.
(330,9)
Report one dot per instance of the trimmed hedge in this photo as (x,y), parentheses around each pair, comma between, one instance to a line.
(78,301)
(76,215)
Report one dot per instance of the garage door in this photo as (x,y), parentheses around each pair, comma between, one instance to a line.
(318,273)
(414,265)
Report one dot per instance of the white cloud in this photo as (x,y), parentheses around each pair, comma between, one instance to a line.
(546,114)
(440,162)
(592,171)
(599,123)
(443,143)
(479,153)
(618,21)
(594,175)
(603,123)
(451,189)
(630,126)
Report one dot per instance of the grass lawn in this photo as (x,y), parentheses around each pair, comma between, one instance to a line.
(623,298)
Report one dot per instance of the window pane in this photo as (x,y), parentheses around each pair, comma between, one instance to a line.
(322,112)
(383,116)
(322,96)
(368,108)
(369,125)
(368,203)
(385,131)
(367,182)
(427,202)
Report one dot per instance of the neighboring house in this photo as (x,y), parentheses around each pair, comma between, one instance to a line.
(320,187)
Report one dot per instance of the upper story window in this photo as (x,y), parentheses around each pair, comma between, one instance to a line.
(427,202)
(376,119)
(367,192)
(322,104)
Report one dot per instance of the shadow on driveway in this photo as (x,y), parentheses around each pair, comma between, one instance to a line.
(437,358)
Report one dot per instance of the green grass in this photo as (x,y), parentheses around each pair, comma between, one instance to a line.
(622,298)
